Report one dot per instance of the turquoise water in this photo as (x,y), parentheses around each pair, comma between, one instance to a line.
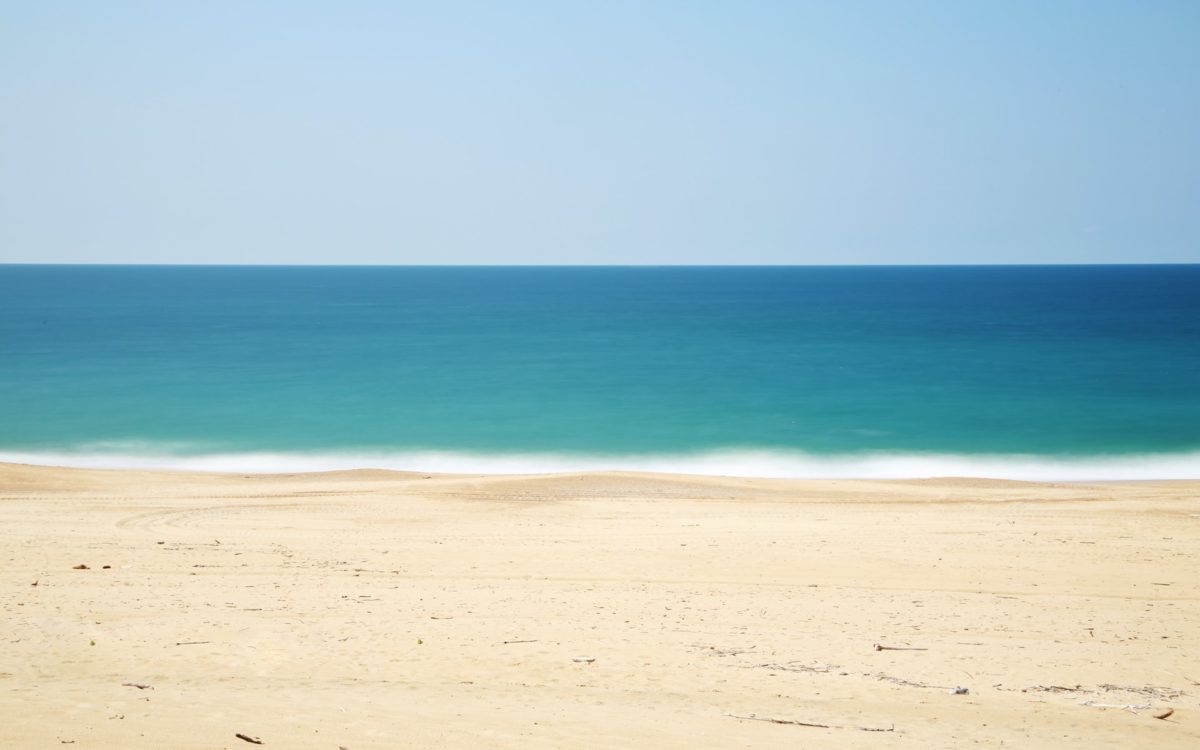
(804,371)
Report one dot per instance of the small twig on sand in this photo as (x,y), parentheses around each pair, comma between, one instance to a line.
(191,643)
(792,666)
(780,721)
(907,683)
(138,685)
(898,648)
(1055,689)
(529,641)
(1164,714)
(248,738)
(795,723)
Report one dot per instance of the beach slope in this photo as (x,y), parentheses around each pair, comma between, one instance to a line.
(373,609)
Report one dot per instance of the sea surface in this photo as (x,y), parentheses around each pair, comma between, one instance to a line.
(1060,372)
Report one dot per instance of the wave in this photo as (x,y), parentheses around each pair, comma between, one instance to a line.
(741,463)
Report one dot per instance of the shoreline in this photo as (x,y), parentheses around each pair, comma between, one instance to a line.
(773,464)
(373,608)
(35,471)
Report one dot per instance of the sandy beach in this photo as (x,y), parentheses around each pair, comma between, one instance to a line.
(375,609)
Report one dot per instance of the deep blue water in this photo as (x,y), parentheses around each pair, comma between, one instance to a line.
(813,365)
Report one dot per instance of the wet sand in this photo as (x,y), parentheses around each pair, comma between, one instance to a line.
(378,609)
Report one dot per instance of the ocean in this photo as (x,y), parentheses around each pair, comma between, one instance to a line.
(1024,372)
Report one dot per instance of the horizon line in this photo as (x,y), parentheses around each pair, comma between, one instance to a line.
(599,265)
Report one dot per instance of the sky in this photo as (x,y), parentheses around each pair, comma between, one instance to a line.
(643,132)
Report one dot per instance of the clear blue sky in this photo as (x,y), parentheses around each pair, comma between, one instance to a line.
(600,132)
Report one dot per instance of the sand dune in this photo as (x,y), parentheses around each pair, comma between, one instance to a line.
(374,609)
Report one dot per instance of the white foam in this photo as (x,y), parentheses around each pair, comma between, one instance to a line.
(743,463)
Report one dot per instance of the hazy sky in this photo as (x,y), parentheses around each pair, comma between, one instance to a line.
(600,132)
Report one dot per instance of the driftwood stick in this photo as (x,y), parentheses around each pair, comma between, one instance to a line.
(780,721)
(878,647)
(248,738)
(795,723)
(529,641)
(191,643)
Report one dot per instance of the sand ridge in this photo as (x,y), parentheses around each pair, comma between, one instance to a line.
(376,609)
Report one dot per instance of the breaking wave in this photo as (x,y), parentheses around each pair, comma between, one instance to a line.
(741,463)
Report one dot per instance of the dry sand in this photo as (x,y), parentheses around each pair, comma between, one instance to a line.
(381,610)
